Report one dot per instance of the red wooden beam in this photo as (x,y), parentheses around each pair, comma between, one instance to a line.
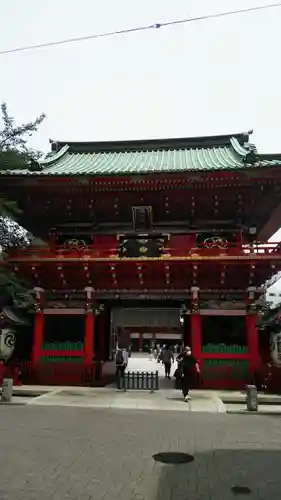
(232,253)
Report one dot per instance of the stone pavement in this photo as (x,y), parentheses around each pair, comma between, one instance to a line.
(238,409)
(78,453)
(170,399)
(166,399)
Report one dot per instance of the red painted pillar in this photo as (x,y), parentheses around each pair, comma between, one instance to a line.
(39,321)
(253,342)
(89,338)
(102,337)
(195,324)
(252,331)
(196,335)
(186,328)
(38,337)
(89,334)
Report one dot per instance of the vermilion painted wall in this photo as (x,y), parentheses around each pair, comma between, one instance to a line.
(180,244)
(106,241)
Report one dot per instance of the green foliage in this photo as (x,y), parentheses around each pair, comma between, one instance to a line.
(14,150)
(15,289)
(14,154)
(9,208)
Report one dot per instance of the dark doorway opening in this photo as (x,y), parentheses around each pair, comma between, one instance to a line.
(61,328)
(229,330)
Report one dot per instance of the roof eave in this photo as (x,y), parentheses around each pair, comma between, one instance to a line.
(150,144)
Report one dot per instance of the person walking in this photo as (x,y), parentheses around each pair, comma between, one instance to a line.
(159,353)
(189,369)
(121,361)
(167,359)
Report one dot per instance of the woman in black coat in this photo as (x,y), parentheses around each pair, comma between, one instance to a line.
(189,370)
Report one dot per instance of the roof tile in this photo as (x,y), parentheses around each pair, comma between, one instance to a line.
(67,162)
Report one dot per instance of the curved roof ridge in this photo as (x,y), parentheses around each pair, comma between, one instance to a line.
(152,144)
(50,159)
(240,150)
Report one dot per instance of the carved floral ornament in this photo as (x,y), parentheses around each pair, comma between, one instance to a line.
(253,308)
(195,308)
(75,243)
(216,242)
(37,307)
(99,309)
(90,307)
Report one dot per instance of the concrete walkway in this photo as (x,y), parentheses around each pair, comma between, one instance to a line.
(165,399)
(202,401)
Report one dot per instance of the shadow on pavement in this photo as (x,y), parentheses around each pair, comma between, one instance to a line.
(223,475)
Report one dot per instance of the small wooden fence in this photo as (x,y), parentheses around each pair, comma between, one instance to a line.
(147,381)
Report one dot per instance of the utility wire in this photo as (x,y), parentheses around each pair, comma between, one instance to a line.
(141,28)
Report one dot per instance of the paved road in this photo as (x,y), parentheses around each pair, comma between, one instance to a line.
(74,453)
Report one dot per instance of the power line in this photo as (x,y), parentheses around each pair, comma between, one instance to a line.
(140,28)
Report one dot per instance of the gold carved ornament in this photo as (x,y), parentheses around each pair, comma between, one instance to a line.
(75,244)
(216,242)
(143,249)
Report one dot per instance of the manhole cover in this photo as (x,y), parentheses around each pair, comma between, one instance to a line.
(173,458)
(241,490)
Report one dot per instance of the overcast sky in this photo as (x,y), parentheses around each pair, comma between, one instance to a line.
(209,77)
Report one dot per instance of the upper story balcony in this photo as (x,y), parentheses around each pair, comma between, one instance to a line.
(215,249)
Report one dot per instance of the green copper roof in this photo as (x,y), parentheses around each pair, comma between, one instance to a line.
(166,156)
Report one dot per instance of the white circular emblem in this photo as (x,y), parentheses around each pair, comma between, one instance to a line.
(7,342)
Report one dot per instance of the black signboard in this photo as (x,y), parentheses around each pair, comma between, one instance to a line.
(141,247)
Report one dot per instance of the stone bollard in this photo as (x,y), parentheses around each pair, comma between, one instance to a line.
(7,390)
(252,398)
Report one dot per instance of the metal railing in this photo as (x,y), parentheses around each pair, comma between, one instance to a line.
(91,252)
(147,381)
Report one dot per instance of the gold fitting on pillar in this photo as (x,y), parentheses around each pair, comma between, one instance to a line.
(39,298)
(99,309)
(195,308)
(88,307)
(37,307)
(252,308)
